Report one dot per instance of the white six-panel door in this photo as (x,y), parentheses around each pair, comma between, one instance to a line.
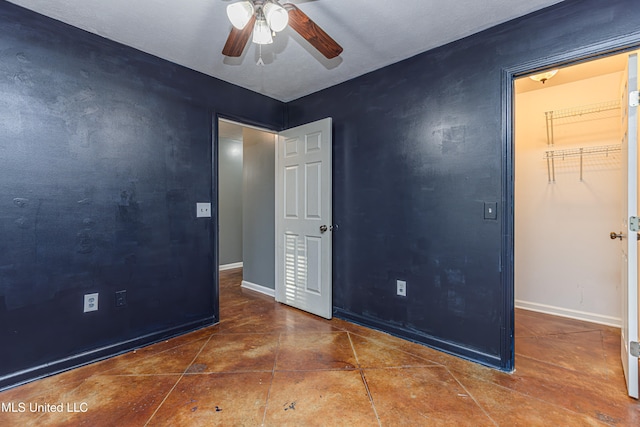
(304,218)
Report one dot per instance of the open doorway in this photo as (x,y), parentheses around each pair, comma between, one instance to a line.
(568,191)
(246,200)
(298,182)
(571,143)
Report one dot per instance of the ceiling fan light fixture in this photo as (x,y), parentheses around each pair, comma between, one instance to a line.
(262,32)
(264,28)
(240,13)
(543,77)
(277,16)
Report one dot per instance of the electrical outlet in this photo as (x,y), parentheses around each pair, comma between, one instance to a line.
(121,298)
(203,210)
(91,302)
(401,288)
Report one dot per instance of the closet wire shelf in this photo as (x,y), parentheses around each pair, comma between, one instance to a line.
(585,109)
(551,155)
(573,115)
(577,114)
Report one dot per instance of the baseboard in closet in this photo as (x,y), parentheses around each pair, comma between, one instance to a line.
(569,313)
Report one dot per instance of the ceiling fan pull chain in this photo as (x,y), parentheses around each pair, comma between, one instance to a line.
(260,61)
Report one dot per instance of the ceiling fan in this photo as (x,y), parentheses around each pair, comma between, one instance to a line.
(265,18)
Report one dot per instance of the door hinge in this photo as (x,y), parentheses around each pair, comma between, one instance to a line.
(634,98)
(634,223)
(635,349)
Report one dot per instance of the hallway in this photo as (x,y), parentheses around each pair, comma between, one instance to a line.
(268,364)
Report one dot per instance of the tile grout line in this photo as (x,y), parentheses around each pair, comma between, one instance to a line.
(547,363)
(159,353)
(401,350)
(353,348)
(604,356)
(273,374)
(532,397)
(366,387)
(178,380)
(472,397)
(364,380)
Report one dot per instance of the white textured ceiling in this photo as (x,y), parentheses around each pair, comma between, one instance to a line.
(373,33)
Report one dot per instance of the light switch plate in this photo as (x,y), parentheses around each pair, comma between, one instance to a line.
(203,210)
(490,210)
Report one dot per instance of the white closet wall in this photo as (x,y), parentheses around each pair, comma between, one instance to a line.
(565,262)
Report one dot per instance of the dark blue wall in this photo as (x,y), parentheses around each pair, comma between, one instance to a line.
(419,147)
(104,152)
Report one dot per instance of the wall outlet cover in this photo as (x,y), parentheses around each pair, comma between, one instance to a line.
(91,302)
(121,298)
(203,210)
(401,288)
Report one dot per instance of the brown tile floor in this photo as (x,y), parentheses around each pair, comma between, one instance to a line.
(268,364)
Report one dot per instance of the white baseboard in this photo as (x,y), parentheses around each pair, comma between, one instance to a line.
(569,313)
(231,266)
(259,288)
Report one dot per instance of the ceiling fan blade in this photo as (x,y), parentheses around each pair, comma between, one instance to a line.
(238,39)
(310,31)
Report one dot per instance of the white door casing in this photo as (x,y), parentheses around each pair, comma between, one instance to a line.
(628,238)
(303,211)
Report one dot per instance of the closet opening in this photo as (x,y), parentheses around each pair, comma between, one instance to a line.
(568,191)
(568,196)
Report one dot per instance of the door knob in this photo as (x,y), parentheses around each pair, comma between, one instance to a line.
(323,228)
(613,235)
